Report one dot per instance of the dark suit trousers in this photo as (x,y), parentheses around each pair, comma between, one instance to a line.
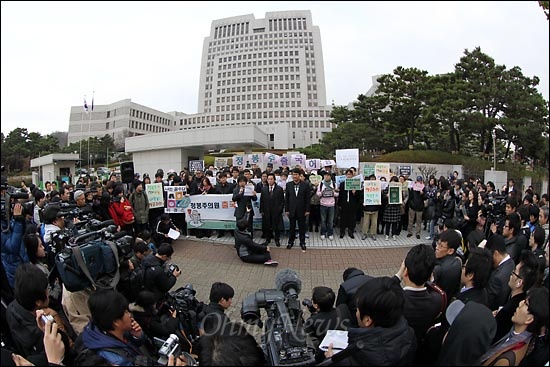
(301,226)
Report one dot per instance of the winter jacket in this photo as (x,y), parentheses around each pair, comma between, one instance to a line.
(245,245)
(140,203)
(13,250)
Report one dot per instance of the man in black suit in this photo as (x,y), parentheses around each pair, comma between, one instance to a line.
(297,202)
(272,203)
(243,201)
(498,290)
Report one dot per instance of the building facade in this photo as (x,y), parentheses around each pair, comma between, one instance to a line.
(120,119)
(266,71)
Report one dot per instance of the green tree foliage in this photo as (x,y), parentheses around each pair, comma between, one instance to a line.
(545,5)
(20,146)
(455,112)
(98,149)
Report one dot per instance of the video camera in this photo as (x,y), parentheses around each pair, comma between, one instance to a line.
(495,209)
(93,257)
(172,346)
(285,341)
(7,202)
(189,310)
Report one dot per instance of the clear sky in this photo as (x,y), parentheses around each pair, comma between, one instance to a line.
(54,53)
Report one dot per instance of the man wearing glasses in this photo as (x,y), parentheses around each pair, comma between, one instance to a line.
(448,266)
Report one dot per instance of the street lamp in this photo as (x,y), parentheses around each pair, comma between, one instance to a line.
(494,134)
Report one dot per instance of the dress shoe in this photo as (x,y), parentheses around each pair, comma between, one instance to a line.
(277,243)
(303,246)
(289,246)
(409,234)
(341,236)
(417,236)
(351,235)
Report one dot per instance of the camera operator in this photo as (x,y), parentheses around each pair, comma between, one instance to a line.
(353,279)
(325,317)
(13,250)
(84,208)
(157,279)
(39,203)
(221,298)
(383,336)
(55,221)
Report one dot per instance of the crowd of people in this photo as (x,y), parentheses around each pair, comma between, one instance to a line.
(476,294)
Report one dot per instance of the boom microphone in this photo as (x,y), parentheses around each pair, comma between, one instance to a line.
(286,280)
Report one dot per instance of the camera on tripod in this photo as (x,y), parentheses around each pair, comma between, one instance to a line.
(285,341)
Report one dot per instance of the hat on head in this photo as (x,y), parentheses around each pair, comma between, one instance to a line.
(145,175)
(270,165)
(117,190)
(78,193)
(419,178)
(136,175)
(453,310)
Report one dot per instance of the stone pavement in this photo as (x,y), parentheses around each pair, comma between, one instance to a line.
(208,260)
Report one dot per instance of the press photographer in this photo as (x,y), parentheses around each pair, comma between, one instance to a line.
(284,341)
(160,276)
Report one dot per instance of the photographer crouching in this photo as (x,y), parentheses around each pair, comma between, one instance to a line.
(160,276)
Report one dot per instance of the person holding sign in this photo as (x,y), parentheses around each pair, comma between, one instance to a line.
(243,198)
(392,214)
(370,212)
(327,192)
(348,203)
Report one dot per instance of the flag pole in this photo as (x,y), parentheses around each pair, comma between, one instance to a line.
(90,129)
(81,133)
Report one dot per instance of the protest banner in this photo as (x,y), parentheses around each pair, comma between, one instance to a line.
(313,164)
(315,179)
(367,169)
(220,162)
(298,160)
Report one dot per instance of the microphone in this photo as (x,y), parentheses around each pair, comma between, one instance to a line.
(287,280)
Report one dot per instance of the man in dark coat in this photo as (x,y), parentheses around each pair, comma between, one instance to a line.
(353,279)
(272,203)
(243,201)
(297,203)
(157,279)
(498,290)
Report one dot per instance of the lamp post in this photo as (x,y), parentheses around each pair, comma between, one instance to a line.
(494,134)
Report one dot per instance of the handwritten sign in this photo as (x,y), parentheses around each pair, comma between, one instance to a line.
(176,201)
(352,184)
(272,158)
(382,170)
(372,193)
(284,161)
(254,158)
(220,162)
(327,162)
(368,169)
(195,166)
(154,194)
(405,170)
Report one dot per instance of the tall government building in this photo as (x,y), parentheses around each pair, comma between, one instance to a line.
(268,72)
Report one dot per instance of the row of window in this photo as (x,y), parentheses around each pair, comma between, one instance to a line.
(144,126)
(253,79)
(260,37)
(287,24)
(303,134)
(252,106)
(264,114)
(271,95)
(291,41)
(231,30)
(257,56)
(148,116)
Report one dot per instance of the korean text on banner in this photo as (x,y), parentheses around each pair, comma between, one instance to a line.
(372,193)
(346,158)
(154,194)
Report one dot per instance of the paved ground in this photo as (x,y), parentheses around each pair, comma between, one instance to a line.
(208,260)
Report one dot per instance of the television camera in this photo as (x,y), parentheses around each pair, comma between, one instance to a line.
(172,346)
(495,210)
(285,341)
(8,200)
(188,309)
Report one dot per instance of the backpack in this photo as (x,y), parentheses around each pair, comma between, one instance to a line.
(136,281)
